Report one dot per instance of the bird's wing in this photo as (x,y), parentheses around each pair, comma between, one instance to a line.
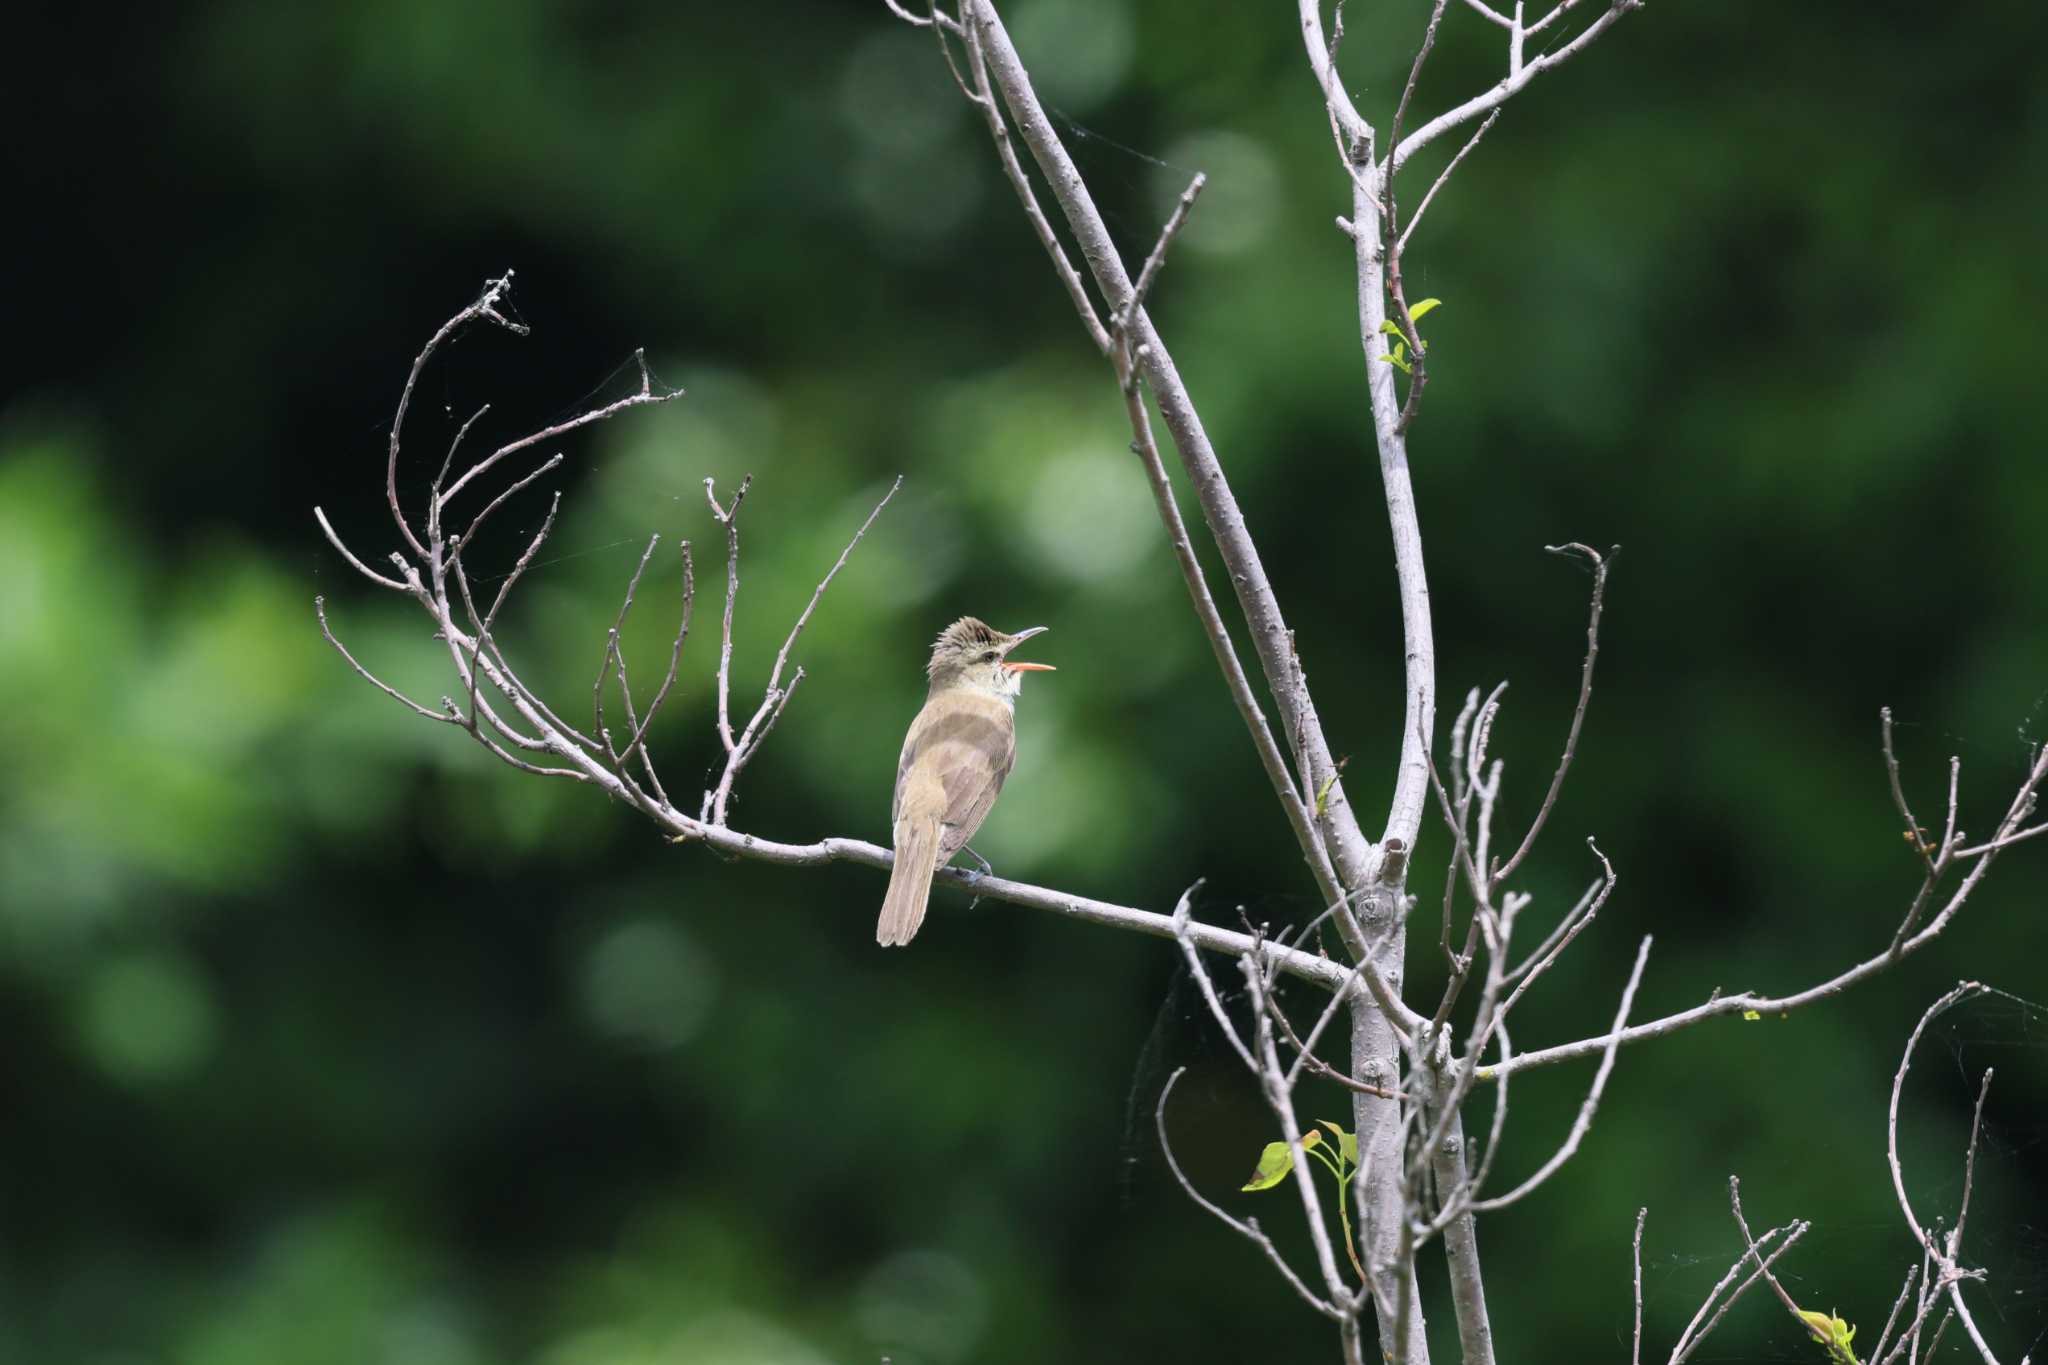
(954,762)
(971,789)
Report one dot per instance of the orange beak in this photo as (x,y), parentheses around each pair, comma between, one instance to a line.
(1019,638)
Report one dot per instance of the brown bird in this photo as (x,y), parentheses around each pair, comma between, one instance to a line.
(958,751)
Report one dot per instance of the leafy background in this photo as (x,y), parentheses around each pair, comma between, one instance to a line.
(327,1039)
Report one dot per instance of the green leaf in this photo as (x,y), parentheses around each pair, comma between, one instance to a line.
(1416,313)
(1399,364)
(1347,1143)
(1323,795)
(1388,326)
(1751,1016)
(1833,1333)
(1276,1161)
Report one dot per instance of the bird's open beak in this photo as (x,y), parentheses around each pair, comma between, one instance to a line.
(1019,638)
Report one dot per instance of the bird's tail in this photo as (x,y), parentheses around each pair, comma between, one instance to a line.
(910,882)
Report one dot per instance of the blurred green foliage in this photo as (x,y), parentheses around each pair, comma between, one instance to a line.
(329,1039)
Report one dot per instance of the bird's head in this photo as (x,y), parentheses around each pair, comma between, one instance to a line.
(971,653)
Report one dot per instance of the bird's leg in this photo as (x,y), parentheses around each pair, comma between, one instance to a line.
(976,874)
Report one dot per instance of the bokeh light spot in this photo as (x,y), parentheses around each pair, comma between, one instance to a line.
(1089,516)
(926,1302)
(646,983)
(147,1016)
(1095,40)
(1237,205)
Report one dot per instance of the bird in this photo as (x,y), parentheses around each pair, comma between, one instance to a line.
(959,749)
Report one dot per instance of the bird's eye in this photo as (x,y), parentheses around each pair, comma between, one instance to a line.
(989,657)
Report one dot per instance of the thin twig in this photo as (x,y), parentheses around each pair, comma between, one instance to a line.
(776,697)
(1571,739)
(1350,852)
(1443,178)
(1735,1205)
(1719,1005)
(483,627)
(1584,1121)
(1878,1354)
(1293,802)
(1691,1341)
(615,661)
(320,610)
(1181,920)
(486,306)
(441,477)
(1539,965)
(728,517)
(984,98)
(2006,841)
(1635,1355)
(381,580)
(641,397)
(1501,93)
(675,657)
(1157,257)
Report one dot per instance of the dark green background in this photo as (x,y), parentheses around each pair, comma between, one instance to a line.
(328,1039)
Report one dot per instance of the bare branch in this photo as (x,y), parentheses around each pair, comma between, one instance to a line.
(1878,1354)
(1354,134)
(1349,851)
(320,610)
(615,662)
(914,20)
(1070,279)
(459,544)
(1182,934)
(1942,1254)
(1694,1332)
(1735,1205)
(1584,1122)
(441,476)
(365,570)
(1354,139)
(1571,739)
(941,24)
(1914,834)
(675,658)
(1563,8)
(503,677)
(1507,89)
(1293,802)
(1748,1001)
(483,627)
(1635,1355)
(728,517)
(1174,223)
(486,306)
(1572,925)
(1955,1236)
(776,697)
(1461,1247)
(2006,841)
(1913,1224)
(1443,178)
(641,397)
(1422,51)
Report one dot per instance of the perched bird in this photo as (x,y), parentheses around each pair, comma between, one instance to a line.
(958,751)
